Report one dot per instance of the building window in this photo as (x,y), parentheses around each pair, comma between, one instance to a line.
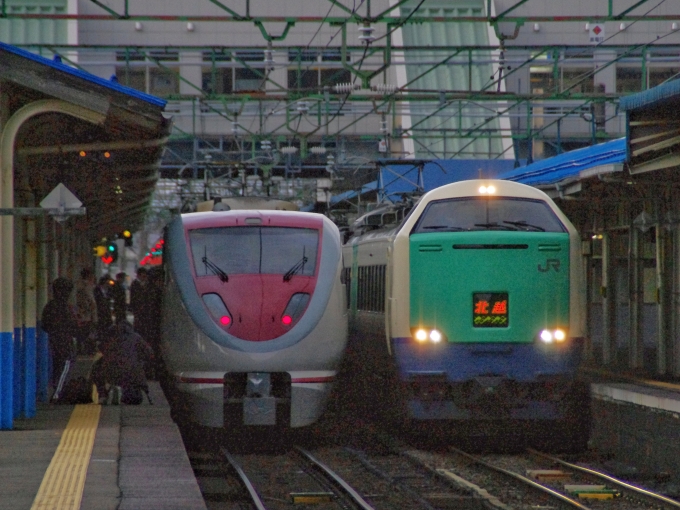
(314,74)
(217,78)
(247,78)
(628,79)
(154,73)
(330,77)
(578,80)
(542,81)
(659,76)
(163,82)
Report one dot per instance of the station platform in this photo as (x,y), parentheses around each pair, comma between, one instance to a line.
(97,457)
(636,423)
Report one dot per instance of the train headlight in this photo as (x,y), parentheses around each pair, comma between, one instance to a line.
(295,308)
(421,335)
(427,335)
(487,190)
(549,336)
(217,308)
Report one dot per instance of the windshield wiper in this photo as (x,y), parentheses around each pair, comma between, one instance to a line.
(299,266)
(525,225)
(494,226)
(214,268)
(443,227)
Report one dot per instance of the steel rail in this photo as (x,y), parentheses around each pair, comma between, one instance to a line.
(336,479)
(379,472)
(257,501)
(629,489)
(547,490)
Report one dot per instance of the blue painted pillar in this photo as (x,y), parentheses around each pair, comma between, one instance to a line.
(43,366)
(6,379)
(18,379)
(30,374)
(29,295)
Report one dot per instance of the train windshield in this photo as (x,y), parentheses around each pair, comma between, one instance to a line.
(501,213)
(254,250)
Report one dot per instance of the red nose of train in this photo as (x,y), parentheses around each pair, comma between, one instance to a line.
(257,272)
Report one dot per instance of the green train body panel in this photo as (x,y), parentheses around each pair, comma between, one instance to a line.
(448,270)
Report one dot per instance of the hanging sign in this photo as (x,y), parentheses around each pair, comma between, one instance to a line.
(596,33)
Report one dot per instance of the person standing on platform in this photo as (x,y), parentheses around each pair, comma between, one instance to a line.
(60,324)
(119,298)
(138,301)
(103,301)
(86,312)
(152,319)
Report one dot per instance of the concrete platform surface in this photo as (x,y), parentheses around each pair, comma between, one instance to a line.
(138,459)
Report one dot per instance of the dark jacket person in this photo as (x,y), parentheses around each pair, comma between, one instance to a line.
(60,324)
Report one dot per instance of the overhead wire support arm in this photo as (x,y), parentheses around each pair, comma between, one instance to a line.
(622,14)
(126,14)
(236,15)
(342,7)
(379,17)
(499,17)
(270,38)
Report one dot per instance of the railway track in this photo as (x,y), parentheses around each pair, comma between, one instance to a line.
(293,478)
(391,481)
(557,483)
(384,474)
(643,498)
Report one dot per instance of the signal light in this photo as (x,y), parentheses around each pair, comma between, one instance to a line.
(287,320)
(111,254)
(225,319)
(107,154)
(99,251)
(127,236)
(82,154)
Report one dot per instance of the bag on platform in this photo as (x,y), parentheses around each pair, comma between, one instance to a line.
(77,390)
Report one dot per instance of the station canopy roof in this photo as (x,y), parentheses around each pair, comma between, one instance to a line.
(570,167)
(653,129)
(111,165)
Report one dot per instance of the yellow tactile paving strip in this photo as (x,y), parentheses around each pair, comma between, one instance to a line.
(64,481)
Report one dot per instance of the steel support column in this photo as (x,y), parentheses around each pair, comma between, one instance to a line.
(30,318)
(674,367)
(19,318)
(635,272)
(608,291)
(43,280)
(663,346)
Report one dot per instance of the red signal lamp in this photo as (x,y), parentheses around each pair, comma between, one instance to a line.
(107,259)
(287,320)
(225,320)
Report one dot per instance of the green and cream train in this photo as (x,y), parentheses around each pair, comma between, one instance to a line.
(475,292)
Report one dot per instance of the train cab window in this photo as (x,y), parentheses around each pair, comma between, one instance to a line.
(254,250)
(501,213)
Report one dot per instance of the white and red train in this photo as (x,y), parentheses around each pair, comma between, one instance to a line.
(254,315)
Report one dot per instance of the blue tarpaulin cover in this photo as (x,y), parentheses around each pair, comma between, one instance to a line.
(650,97)
(568,164)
